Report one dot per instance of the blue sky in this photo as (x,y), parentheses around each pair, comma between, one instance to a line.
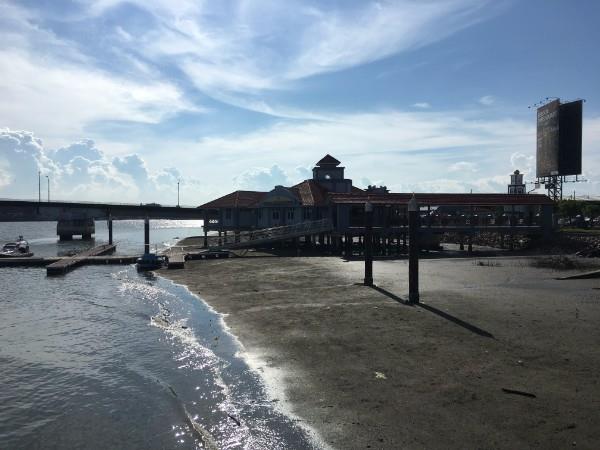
(117,100)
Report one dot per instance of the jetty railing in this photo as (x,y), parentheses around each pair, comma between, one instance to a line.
(266,235)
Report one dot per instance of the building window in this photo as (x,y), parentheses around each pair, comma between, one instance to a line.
(228,214)
(306,213)
(290,214)
(275,214)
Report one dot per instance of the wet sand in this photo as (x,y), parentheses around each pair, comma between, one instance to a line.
(367,371)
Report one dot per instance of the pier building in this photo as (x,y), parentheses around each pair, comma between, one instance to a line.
(330,197)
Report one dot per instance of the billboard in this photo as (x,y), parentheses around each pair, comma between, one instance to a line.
(547,159)
(570,138)
(559,138)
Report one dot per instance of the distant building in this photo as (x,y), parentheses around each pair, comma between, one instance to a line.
(516,185)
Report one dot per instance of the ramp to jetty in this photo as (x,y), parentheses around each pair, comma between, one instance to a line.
(64,265)
(248,239)
(219,247)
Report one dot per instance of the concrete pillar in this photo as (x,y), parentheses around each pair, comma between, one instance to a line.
(205,238)
(146,236)
(110,231)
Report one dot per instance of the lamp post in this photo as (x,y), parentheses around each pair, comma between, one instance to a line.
(48,187)
(413,250)
(368,244)
(39,186)
(178,192)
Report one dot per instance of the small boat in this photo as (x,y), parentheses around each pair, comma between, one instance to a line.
(19,249)
(151,261)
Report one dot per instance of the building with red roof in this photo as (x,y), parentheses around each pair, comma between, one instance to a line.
(329,195)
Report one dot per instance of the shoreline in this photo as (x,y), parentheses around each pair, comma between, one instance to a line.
(274,389)
(362,369)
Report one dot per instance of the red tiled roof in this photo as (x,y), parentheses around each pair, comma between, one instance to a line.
(328,160)
(237,199)
(310,193)
(443,199)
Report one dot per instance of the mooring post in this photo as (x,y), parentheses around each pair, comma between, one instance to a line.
(368,244)
(146,235)
(413,250)
(110,230)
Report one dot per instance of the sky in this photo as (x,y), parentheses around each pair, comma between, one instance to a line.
(117,100)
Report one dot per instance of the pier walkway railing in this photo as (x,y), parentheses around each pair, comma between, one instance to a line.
(263,236)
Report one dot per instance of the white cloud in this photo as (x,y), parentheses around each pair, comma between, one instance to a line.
(464,167)
(487,100)
(262,179)
(422,105)
(79,171)
(252,45)
(49,86)
(524,163)
(336,40)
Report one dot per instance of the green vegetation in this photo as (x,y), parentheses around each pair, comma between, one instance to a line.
(570,209)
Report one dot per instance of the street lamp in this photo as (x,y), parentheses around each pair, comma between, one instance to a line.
(48,187)
(178,192)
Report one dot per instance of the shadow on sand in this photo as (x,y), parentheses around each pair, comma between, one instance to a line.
(466,325)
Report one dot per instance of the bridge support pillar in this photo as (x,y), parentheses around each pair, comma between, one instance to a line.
(67,228)
(146,236)
(205,238)
(110,231)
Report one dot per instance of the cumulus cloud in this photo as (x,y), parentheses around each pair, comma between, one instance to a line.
(79,171)
(524,163)
(262,179)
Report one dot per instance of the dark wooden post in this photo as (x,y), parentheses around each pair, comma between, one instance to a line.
(146,235)
(204,228)
(110,230)
(413,251)
(368,244)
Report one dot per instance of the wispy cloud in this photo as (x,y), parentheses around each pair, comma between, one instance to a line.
(48,84)
(252,46)
(422,105)
(487,100)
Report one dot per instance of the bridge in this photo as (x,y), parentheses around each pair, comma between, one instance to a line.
(77,218)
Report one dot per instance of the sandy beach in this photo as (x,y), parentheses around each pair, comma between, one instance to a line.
(499,355)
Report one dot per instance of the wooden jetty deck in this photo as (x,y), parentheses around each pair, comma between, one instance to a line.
(178,255)
(64,265)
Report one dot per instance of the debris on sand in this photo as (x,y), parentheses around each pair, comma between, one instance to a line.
(523,393)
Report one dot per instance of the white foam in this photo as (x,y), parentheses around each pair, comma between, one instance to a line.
(273,378)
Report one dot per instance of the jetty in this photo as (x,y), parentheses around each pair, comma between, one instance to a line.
(69,263)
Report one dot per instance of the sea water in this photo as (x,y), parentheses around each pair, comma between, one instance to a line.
(106,357)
